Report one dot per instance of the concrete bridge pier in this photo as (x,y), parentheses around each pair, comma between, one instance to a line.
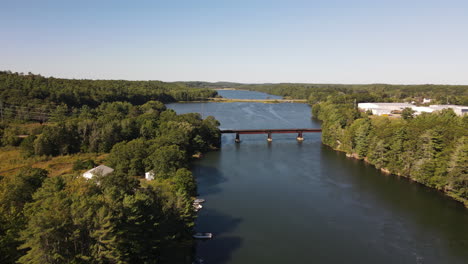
(269,139)
(299,136)
(237,138)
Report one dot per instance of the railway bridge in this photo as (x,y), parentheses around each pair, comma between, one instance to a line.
(269,132)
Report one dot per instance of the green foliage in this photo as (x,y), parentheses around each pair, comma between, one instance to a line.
(59,114)
(74,221)
(184,180)
(429,148)
(407,113)
(49,234)
(10,136)
(27,146)
(83,164)
(165,160)
(129,157)
(110,218)
(57,140)
(34,97)
(458,168)
(15,193)
(348,93)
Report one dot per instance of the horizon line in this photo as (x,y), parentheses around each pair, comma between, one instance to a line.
(234,82)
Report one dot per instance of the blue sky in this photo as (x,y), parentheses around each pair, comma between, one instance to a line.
(243,41)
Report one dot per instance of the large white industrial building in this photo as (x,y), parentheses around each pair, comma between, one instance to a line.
(392,108)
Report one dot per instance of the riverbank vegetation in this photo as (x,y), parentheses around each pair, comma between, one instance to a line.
(49,213)
(431,148)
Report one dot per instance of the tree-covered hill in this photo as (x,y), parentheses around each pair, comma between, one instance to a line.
(30,90)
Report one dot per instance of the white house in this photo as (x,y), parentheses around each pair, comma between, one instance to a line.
(99,170)
(149,175)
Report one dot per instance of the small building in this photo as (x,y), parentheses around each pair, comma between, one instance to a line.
(384,108)
(422,109)
(99,170)
(149,175)
(395,108)
(458,109)
(426,100)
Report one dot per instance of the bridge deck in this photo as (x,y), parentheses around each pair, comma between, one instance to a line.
(272,131)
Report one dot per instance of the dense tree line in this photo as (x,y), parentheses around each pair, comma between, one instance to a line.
(430,148)
(116,218)
(98,130)
(440,94)
(26,96)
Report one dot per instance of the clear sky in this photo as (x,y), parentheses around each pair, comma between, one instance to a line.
(368,41)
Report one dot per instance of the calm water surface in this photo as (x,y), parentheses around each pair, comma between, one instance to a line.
(289,202)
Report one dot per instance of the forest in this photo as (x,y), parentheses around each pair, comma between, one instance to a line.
(431,148)
(49,215)
(30,96)
(440,94)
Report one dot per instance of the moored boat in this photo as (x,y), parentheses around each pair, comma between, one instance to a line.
(203,235)
(199,200)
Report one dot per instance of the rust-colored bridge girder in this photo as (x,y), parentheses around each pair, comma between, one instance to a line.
(299,132)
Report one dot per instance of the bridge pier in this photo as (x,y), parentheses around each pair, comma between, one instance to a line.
(299,136)
(237,138)
(269,139)
(269,132)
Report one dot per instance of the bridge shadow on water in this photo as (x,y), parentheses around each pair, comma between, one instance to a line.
(221,247)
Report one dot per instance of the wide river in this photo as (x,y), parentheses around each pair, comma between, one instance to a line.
(290,202)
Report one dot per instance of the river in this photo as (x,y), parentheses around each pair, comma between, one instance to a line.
(290,202)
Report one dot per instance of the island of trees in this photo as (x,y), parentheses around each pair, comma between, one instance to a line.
(55,129)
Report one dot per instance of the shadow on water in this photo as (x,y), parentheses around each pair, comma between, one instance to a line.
(208,179)
(217,222)
(436,222)
(221,247)
(218,250)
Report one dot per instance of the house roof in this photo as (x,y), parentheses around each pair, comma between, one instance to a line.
(101,169)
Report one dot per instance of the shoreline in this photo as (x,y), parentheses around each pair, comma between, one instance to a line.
(446,193)
(233,100)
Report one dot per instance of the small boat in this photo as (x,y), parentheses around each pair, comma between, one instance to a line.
(199,200)
(198,206)
(203,235)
